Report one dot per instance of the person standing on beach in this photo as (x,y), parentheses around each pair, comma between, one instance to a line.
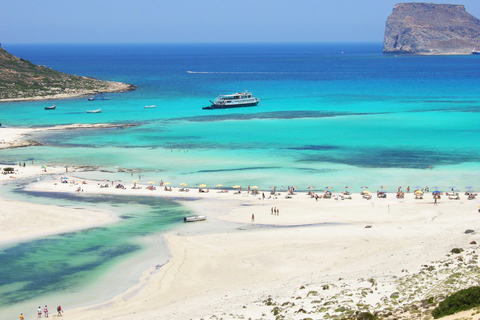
(59,311)
(253,217)
(271,211)
(21,316)
(275,210)
(45,311)
(278,212)
(39,312)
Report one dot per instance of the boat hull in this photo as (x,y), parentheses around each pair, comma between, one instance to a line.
(230,106)
(50,108)
(194,218)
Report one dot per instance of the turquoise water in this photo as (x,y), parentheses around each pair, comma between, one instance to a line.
(61,268)
(325,118)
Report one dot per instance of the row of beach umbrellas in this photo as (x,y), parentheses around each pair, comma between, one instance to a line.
(453,188)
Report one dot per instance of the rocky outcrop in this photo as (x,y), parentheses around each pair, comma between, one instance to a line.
(428,28)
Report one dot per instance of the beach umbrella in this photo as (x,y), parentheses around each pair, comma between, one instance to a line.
(418,191)
(417,187)
(134,181)
(236,186)
(328,187)
(468,187)
(183,184)
(44,166)
(219,185)
(167,183)
(364,187)
(64,177)
(366,191)
(347,187)
(106,180)
(151,182)
(254,187)
(202,185)
(273,187)
(118,180)
(382,187)
(452,187)
(310,187)
(436,192)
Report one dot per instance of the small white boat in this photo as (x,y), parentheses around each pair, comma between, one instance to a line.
(94,111)
(152,106)
(194,218)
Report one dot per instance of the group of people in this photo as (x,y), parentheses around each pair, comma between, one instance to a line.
(45,312)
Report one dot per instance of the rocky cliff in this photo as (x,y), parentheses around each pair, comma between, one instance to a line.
(22,80)
(428,28)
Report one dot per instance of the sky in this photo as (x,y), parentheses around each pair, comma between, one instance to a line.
(167,21)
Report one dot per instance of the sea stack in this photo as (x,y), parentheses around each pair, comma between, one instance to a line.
(431,29)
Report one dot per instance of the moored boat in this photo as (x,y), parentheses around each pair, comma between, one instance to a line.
(152,106)
(50,108)
(194,218)
(236,100)
(98,98)
(94,111)
(474,51)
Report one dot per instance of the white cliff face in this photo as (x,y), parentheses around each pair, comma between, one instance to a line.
(427,28)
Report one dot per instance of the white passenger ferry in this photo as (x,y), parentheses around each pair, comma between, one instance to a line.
(236,100)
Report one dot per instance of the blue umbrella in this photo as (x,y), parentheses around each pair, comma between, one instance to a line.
(468,187)
(435,187)
(417,187)
(436,192)
(64,177)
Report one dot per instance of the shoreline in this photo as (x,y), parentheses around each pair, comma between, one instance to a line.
(253,270)
(16,137)
(114,87)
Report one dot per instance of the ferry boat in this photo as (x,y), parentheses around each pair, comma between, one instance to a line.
(236,100)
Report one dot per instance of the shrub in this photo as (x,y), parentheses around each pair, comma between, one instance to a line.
(459,301)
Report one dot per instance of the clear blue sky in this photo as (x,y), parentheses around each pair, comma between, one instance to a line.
(141,21)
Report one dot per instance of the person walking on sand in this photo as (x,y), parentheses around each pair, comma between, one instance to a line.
(278,212)
(21,316)
(271,211)
(59,311)
(253,217)
(39,312)
(275,210)
(45,311)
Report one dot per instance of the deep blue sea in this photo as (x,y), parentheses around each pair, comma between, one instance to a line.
(329,115)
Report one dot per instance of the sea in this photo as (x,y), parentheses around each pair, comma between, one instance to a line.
(330,115)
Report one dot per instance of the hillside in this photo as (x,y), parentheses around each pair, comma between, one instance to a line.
(428,28)
(22,80)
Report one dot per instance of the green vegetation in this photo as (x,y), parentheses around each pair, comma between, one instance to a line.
(459,301)
(21,79)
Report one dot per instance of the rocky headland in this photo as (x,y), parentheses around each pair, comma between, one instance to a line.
(21,80)
(431,29)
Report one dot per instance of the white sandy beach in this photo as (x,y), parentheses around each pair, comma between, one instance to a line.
(234,275)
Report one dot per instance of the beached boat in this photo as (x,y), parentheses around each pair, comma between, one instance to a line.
(94,111)
(50,108)
(194,218)
(152,106)
(236,100)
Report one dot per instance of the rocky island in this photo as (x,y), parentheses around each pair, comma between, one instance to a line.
(431,29)
(22,80)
